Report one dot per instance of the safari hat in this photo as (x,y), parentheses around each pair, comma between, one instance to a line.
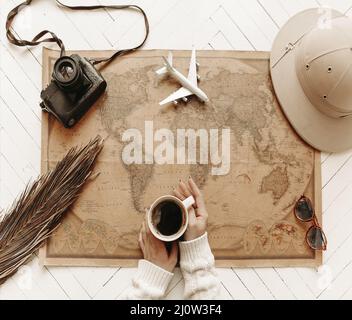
(311,71)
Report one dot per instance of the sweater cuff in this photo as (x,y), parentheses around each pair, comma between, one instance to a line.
(195,250)
(152,275)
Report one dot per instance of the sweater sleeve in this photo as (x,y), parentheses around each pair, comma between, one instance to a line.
(150,282)
(198,269)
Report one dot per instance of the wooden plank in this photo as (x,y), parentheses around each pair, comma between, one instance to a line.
(92,33)
(125,20)
(117,284)
(297,286)
(319,280)
(324,156)
(311,279)
(338,235)
(45,15)
(248,26)
(6,196)
(275,11)
(276,284)
(28,67)
(341,180)
(337,256)
(231,31)
(177,291)
(22,166)
(10,291)
(335,214)
(19,136)
(209,30)
(333,164)
(254,283)
(347,295)
(340,286)
(219,42)
(293,7)
(13,72)
(234,285)
(193,18)
(72,286)
(260,17)
(174,281)
(20,109)
(11,180)
(155,17)
(92,279)
(340,5)
(168,24)
(37,283)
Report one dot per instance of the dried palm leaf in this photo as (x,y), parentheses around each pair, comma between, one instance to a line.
(38,211)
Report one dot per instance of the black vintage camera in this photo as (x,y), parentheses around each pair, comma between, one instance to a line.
(74,87)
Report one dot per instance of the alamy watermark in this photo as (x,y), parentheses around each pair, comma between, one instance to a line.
(187,146)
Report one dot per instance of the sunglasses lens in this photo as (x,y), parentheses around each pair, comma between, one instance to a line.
(316,238)
(304,210)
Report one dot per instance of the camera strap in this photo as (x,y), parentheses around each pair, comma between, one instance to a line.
(52,37)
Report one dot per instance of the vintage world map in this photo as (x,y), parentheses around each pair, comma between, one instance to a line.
(250,208)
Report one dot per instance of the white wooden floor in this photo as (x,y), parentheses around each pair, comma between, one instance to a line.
(175,24)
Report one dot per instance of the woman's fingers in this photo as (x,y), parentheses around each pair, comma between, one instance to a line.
(147,231)
(146,225)
(197,197)
(178,194)
(141,242)
(184,189)
(143,232)
(152,240)
(194,188)
(191,216)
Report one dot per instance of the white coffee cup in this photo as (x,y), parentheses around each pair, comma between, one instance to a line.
(153,215)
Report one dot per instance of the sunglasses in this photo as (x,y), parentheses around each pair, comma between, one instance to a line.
(304,212)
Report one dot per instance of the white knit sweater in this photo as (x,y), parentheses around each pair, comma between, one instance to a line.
(197,267)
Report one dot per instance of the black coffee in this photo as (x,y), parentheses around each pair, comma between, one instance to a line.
(170,218)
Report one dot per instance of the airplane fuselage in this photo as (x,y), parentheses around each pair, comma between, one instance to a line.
(178,76)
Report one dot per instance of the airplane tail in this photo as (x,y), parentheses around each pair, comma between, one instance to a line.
(168,64)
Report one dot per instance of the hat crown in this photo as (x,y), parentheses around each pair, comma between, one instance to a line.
(323,64)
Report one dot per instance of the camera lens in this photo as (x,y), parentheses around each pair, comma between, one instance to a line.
(67,74)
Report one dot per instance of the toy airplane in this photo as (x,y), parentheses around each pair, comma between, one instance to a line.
(189,84)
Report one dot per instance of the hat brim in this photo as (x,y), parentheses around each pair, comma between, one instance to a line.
(317,129)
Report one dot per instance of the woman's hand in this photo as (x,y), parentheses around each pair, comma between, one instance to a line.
(154,250)
(197,215)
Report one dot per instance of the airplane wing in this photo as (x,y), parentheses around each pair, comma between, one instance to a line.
(161,71)
(192,72)
(180,93)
